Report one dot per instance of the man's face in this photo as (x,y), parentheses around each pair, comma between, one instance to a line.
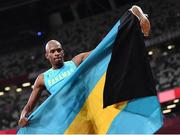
(55,54)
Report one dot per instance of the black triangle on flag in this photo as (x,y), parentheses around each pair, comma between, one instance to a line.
(129,75)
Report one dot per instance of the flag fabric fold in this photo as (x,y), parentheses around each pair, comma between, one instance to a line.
(78,105)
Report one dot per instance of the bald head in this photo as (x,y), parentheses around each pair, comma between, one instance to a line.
(52,43)
(55,54)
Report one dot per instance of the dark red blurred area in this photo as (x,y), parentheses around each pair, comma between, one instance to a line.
(171,126)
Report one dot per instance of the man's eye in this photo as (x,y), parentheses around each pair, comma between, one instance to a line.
(58,50)
(52,51)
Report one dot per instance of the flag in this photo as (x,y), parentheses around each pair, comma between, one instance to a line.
(78,105)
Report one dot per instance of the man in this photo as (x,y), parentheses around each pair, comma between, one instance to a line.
(62,70)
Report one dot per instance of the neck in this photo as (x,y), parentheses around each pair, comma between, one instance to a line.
(57,66)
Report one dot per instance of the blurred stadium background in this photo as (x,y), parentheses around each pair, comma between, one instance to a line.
(80,25)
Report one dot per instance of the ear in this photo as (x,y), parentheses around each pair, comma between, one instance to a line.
(63,52)
(46,56)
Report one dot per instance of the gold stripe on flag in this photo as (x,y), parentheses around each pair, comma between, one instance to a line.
(92,118)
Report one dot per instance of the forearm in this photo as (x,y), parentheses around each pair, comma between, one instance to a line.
(31,103)
(38,86)
(27,109)
(78,59)
(85,55)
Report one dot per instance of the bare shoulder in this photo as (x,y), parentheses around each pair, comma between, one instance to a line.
(41,76)
(39,81)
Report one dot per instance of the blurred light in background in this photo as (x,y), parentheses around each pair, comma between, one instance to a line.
(171,106)
(176,101)
(18,89)
(26,84)
(166,111)
(150,52)
(7,88)
(1,93)
(165,53)
(39,33)
(32,57)
(170,47)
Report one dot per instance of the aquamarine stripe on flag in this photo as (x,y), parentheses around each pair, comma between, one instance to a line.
(140,116)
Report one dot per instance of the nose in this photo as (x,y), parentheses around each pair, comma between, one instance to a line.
(57,53)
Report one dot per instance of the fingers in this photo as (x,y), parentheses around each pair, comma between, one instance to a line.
(146,15)
(146,34)
(145,26)
(23,122)
(146,30)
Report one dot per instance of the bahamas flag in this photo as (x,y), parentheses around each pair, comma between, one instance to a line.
(89,102)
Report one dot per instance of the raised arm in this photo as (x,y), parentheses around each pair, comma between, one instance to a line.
(144,22)
(38,87)
(145,27)
(78,59)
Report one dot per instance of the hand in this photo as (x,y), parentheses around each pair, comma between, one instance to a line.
(23,122)
(144,22)
(145,25)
